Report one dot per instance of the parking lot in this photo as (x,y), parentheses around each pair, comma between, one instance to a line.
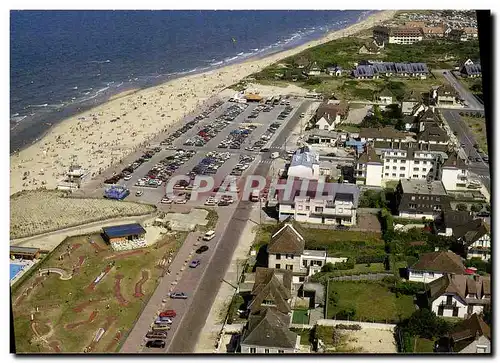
(241,130)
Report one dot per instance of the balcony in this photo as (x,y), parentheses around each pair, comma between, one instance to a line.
(445,305)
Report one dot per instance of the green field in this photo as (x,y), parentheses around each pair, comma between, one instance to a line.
(300,317)
(58,301)
(422,345)
(371,301)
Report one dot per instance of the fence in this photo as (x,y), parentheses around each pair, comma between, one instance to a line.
(363,324)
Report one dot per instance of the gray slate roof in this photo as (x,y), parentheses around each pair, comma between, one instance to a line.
(269,329)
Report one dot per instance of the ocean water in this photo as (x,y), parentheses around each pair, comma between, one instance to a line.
(65,61)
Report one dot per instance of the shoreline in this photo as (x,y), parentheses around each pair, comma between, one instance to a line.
(101,136)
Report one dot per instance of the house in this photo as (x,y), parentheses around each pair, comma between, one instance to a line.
(434,265)
(370,48)
(472,335)
(304,164)
(368,170)
(286,251)
(433,32)
(269,333)
(365,72)
(334,71)
(321,137)
(272,289)
(328,203)
(476,239)
(415,70)
(336,111)
(445,95)
(328,121)
(458,35)
(471,70)
(458,295)
(314,70)
(124,232)
(385,97)
(451,220)
(409,101)
(470,33)
(373,70)
(418,199)
(24,253)
(454,173)
(403,35)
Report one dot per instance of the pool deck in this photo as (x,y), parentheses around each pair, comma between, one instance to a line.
(28,264)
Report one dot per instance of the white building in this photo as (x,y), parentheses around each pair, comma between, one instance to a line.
(459,295)
(472,336)
(476,238)
(304,164)
(454,173)
(328,123)
(336,205)
(405,35)
(432,266)
(369,168)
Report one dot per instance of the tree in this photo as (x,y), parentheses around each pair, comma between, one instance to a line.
(328,267)
(476,207)
(347,313)
(461,207)
(425,324)
(377,114)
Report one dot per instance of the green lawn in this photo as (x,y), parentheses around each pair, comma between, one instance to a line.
(337,243)
(305,335)
(349,128)
(56,299)
(372,301)
(478,128)
(300,317)
(422,345)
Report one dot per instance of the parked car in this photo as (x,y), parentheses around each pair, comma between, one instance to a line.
(223,203)
(178,295)
(166,201)
(194,263)
(156,334)
(168,314)
(202,249)
(163,320)
(139,193)
(157,343)
(180,201)
(208,236)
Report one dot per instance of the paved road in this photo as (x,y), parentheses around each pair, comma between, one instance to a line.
(469,98)
(183,339)
(466,137)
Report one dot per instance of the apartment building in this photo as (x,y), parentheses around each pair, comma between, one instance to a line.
(419,199)
(328,203)
(404,35)
(454,173)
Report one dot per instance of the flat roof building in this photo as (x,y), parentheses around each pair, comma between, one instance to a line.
(26,253)
(123,232)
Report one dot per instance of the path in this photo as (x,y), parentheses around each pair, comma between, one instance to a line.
(118,293)
(63,275)
(91,318)
(138,285)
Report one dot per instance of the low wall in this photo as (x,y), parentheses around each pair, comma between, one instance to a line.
(364,325)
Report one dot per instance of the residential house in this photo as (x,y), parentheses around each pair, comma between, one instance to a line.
(328,203)
(454,173)
(445,95)
(304,164)
(433,32)
(365,72)
(458,295)
(471,70)
(476,239)
(269,333)
(458,35)
(451,220)
(434,265)
(404,35)
(418,199)
(409,101)
(470,33)
(415,70)
(272,289)
(328,121)
(385,97)
(314,70)
(332,112)
(370,48)
(286,251)
(334,71)
(373,70)
(471,336)
(369,168)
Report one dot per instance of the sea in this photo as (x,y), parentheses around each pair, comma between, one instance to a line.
(64,62)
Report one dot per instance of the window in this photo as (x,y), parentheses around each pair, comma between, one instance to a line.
(289,256)
(278,256)
(299,207)
(401,175)
(402,168)
(415,169)
(307,207)
(387,167)
(424,169)
(424,162)
(449,299)
(266,351)
(412,197)
(387,174)
(278,266)
(430,274)
(415,176)
(318,209)
(455,311)
(440,310)
(302,278)
(394,168)
(289,267)
(268,302)
(281,351)
(253,350)
(480,349)
(394,174)
(416,162)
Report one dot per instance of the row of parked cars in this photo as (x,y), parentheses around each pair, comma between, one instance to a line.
(126,173)
(207,133)
(189,125)
(158,333)
(212,161)
(163,170)
(236,137)
(265,137)
(284,114)
(243,164)
(256,111)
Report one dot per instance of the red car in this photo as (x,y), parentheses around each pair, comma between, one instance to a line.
(168,314)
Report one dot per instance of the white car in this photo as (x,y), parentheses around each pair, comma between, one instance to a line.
(127,177)
(139,193)
(166,201)
(181,201)
(211,202)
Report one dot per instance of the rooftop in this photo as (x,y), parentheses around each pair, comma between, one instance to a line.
(440,261)
(124,230)
(30,250)
(422,187)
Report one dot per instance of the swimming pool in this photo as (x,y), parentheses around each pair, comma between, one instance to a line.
(15,269)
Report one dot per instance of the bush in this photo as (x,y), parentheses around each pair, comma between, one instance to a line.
(346,314)
(461,207)
(348,327)
(476,207)
(328,267)
(371,259)
(407,288)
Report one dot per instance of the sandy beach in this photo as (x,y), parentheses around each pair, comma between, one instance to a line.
(103,135)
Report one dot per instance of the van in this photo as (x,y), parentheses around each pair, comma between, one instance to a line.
(275,155)
(209,235)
